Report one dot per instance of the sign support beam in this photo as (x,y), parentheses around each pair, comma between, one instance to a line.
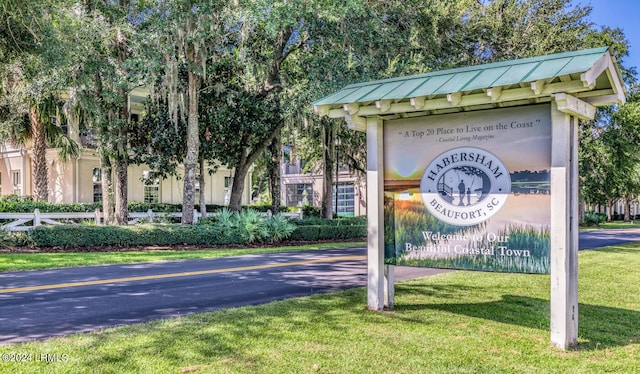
(564,229)
(389,289)
(375,215)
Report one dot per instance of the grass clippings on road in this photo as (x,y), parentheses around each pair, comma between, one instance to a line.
(471,322)
(50,260)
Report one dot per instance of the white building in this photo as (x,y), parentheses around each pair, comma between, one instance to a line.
(79,180)
(299,188)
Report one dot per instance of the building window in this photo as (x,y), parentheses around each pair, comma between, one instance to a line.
(97,185)
(299,194)
(17,182)
(151,185)
(346,199)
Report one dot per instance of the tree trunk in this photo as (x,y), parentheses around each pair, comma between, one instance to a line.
(328,144)
(242,169)
(40,170)
(237,189)
(121,211)
(627,209)
(203,202)
(106,170)
(108,203)
(275,150)
(193,150)
(122,166)
(121,157)
(237,185)
(261,182)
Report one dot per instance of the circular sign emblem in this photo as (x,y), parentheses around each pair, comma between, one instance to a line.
(465,186)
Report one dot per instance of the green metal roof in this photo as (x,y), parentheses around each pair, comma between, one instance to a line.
(587,73)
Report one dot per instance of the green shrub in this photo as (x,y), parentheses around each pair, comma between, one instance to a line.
(227,227)
(225,219)
(76,236)
(343,221)
(261,207)
(323,232)
(592,218)
(67,236)
(354,221)
(310,211)
(252,225)
(24,204)
(311,221)
(280,228)
(15,198)
(137,206)
(12,239)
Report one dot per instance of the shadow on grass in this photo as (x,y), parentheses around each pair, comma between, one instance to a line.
(630,248)
(225,338)
(599,326)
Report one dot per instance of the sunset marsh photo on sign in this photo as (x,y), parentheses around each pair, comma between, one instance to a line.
(470,191)
(517,248)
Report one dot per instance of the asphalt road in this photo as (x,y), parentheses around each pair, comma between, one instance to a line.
(40,304)
(601,238)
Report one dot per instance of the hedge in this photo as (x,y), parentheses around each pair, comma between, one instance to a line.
(310,211)
(81,236)
(136,206)
(343,221)
(44,207)
(25,204)
(227,228)
(73,236)
(324,232)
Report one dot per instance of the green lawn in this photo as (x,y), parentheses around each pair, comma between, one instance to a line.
(40,261)
(613,225)
(459,322)
(619,225)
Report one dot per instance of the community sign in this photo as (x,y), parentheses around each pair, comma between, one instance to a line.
(477,168)
(469,190)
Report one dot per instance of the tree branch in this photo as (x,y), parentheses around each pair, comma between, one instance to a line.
(279,55)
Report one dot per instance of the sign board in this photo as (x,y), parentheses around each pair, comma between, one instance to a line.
(469,190)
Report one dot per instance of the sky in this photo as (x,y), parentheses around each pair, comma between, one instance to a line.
(624,14)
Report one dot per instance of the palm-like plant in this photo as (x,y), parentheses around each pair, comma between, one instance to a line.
(42,127)
(279,227)
(33,69)
(226,219)
(252,225)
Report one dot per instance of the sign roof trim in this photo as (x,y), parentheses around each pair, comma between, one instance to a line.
(591,73)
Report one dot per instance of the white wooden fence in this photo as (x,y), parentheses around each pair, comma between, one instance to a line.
(27,221)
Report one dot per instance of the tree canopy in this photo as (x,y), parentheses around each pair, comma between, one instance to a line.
(225,78)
